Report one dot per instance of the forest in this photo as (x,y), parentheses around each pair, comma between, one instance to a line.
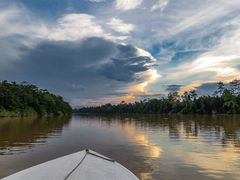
(25,99)
(225,100)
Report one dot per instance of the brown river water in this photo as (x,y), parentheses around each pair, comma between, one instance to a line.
(151,146)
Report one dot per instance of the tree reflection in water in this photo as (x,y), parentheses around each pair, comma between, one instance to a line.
(17,134)
(152,146)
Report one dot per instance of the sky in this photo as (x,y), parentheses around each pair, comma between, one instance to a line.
(93,52)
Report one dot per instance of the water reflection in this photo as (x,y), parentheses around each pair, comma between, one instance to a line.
(208,144)
(205,147)
(149,150)
(153,147)
(18,135)
(139,137)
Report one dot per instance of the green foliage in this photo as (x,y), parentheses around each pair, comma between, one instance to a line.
(224,101)
(26,99)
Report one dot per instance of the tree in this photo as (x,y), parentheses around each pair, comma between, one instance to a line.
(193,95)
(235,87)
(220,89)
(224,101)
(174,96)
(26,99)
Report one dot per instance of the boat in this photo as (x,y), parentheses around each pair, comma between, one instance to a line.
(83,165)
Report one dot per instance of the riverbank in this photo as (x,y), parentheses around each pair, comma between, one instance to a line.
(29,113)
(15,113)
(226,100)
(28,100)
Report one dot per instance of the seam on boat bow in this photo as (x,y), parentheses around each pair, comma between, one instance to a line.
(87,152)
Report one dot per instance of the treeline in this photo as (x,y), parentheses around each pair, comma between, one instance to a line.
(26,99)
(225,100)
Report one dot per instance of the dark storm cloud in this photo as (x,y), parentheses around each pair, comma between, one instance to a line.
(65,59)
(126,51)
(125,69)
(207,89)
(93,68)
(173,88)
(210,88)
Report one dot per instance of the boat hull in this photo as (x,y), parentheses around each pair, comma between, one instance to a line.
(83,165)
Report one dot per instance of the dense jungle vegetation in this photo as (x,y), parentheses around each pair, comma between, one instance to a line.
(225,100)
(26,100)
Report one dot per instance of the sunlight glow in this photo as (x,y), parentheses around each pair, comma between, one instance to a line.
(128,98)
(218,65)
(140,138)
(150,75)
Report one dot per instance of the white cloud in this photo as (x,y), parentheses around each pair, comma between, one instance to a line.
(119,26)
(180,17)
(211,31)
(78,26)
(199,18)
(210,28)
(219,64)
(75,27)
(161,5)
(128,4)
(19,29)
(18,21)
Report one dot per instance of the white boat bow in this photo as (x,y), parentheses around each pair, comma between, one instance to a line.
(83,165)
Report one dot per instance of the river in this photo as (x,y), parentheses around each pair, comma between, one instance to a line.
(151,146)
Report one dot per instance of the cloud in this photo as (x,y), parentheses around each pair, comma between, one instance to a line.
(75,27)
(173,88)
(60,56)
(72,69)
(18,30)
(206,88)
(202,51)
(128,4)
(119,26)
(161,5)
(16,20)
(191,43)
(218,64)
(207,68)
(124,69)
(78,26)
